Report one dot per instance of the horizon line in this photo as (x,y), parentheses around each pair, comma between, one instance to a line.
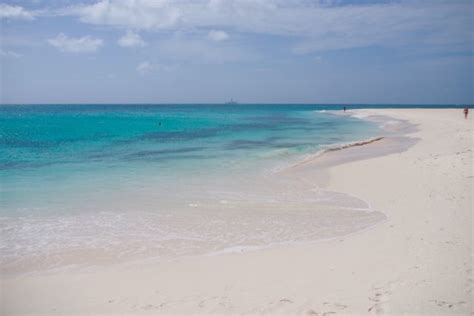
(238,103)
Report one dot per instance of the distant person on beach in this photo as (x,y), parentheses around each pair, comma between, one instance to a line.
(344,109)
(466,112)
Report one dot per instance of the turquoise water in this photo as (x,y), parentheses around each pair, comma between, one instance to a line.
(52,153)
(101,177)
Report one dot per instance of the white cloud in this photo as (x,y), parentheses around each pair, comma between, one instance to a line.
(218,35)
(14,12)
(131,39)
(145,67)
(136,14)
(10,54)
(85,44)
(317,25)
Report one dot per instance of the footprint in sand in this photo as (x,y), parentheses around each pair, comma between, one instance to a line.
(285,300)
(447,304)
(334,308)
(380,298)
(149,307)
(215,302)
(469,281)
(281,303)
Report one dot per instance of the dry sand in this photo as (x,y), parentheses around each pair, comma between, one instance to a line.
(419,261)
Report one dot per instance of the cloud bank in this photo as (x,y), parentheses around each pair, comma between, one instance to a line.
(315,25)
(14,12)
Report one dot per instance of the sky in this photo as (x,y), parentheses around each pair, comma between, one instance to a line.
(254,51)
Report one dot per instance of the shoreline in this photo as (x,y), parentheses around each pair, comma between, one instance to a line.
(319,279)
(98,264)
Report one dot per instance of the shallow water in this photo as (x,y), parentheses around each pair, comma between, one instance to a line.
(103,183)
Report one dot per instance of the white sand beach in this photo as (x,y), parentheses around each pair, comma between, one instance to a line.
(418,261)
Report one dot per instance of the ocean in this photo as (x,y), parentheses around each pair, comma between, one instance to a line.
(86,185)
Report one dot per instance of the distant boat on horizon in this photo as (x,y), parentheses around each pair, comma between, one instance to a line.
(232,101)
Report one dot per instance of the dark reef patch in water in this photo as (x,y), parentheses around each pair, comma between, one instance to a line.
(271,142)
(24,165)
(24,143)
(170,157)
(154,153)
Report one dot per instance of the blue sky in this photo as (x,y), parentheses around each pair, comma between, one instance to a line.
(193,51)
